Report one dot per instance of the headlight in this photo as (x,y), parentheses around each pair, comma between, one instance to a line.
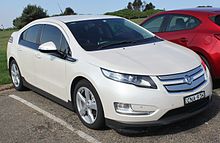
(137,80)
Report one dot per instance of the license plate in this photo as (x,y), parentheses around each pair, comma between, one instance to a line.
(194,98)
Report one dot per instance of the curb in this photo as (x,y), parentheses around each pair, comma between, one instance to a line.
(6,87)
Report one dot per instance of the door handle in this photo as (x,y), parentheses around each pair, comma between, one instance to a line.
(38,56)
(184,40)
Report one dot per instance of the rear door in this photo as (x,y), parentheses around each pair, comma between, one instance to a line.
(180,29)
(28,46)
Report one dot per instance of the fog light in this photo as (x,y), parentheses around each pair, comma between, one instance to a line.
(130,109)
(143,108)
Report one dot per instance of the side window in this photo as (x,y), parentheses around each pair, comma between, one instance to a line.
(51,34)
(64,48)
(182,22)
(31,34)
(154,25)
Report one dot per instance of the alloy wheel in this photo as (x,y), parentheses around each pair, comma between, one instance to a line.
(15,75)
(86,105)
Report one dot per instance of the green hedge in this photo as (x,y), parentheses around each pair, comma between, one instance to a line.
(132,14)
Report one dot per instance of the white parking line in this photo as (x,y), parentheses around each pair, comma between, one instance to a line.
(56,119)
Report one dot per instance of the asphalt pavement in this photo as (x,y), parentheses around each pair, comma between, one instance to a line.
(29,117)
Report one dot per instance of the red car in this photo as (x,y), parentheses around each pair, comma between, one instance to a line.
(197,29)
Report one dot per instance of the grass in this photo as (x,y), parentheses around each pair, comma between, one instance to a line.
(4,36)
(138,21)
(4,76)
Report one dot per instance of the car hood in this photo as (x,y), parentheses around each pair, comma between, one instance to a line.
(159,58)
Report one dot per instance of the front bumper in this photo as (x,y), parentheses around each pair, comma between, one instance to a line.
(170,117)
(168,107)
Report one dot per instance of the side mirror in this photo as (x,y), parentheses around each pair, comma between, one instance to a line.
(47,47)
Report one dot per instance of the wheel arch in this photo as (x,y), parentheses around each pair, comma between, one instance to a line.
(74,83)
(208,60)
(202,53)
(9,62)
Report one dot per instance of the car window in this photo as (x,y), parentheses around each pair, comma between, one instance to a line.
(102,34)
(31,34)
(116,27)
(51,34)
(154,24)
(182,22)
(216,19)
(64,48)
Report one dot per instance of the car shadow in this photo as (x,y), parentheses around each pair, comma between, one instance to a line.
(216,84)
(175,128)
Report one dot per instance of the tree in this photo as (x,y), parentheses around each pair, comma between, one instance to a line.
(29,14)
(131,14)
(69,11)
(149,6)
(143,5)
(2,27)
(204,6)
(137,5)
(130,6)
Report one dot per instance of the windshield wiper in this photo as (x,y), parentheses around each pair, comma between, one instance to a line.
(109,44)
(116,43)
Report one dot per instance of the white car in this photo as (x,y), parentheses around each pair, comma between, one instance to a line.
(110,70)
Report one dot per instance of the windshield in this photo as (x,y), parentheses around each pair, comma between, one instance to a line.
(102,34)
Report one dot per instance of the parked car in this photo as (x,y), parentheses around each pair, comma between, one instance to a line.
(110,70)
(197,29)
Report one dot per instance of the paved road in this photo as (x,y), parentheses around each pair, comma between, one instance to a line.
(22,123)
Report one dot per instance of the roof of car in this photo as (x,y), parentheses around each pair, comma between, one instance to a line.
(73,18)
(200,10)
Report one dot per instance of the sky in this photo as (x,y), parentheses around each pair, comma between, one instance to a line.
(10,9)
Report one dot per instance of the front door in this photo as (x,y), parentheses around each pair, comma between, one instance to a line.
(51,67)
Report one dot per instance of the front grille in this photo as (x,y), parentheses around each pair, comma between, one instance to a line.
(187,109)
(186,81)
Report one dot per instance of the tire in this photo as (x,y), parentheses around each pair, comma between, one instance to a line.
(206,62)
(87,105)
(16,77)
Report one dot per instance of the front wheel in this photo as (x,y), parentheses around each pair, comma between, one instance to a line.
(16,76)
(88,105)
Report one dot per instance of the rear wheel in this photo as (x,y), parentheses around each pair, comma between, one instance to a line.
(16,76)
(88,105)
